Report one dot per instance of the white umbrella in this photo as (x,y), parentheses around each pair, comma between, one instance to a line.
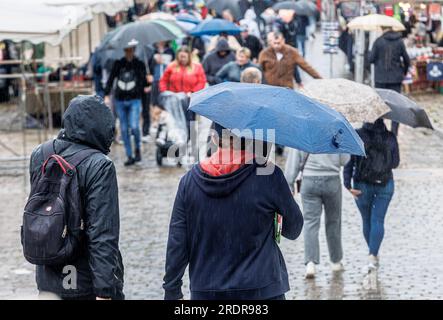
(356,101)
(374,22)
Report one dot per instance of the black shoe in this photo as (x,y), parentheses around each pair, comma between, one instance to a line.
(138,156)
(129,162)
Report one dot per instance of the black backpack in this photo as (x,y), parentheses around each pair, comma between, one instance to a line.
(377,166)
(52,231)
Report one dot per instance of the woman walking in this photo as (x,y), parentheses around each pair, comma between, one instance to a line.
(373,182)
(321,187)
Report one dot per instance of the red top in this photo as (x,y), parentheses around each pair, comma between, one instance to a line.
(225,161)
(183,79)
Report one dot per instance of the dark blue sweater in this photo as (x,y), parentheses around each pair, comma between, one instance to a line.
(370,131)
(223,227)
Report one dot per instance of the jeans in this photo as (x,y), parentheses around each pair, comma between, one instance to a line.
(373,204)
(316,193)
(301,44)
(397,88)
(128,112)
(146,102)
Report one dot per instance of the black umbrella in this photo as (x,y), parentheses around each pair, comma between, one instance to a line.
(404,110)
(302,7)
(144,32)
(233,5)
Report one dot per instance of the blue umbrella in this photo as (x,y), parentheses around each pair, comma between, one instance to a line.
(187,17)
(299,122)
(214,27)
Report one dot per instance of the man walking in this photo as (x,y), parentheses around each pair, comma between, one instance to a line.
(216,59)
(391,62)
(96,268)
(131,76)
(279,61)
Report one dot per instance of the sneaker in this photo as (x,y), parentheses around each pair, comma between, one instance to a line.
(138,156)
(337,267)
(129,162)
(310,270)
(373,262)
(146,138)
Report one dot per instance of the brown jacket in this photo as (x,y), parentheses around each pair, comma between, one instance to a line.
(281,73)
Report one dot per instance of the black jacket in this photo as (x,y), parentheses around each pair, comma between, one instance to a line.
(390,58)
(252,43)
(89,123)
(213,62)
(370,131)
(223,227)
(123,65)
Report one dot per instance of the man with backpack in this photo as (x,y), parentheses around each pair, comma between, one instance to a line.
(71,220)
(131,85)
(373,182)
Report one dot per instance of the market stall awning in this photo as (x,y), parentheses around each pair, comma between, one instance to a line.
(110,7)
(31,20)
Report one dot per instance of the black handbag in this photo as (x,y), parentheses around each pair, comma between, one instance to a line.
(302,168)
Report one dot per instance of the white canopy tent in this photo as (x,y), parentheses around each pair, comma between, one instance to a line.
(31,20)
(109,7)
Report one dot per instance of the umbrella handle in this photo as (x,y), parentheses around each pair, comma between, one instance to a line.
(337,138)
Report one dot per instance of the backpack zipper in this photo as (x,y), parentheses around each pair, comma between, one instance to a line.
(65,231)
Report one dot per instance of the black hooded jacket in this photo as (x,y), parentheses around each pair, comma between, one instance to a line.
(89,123)
(390,58)
(213,62)
(371,133)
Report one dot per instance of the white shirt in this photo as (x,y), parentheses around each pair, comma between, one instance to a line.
(279,56)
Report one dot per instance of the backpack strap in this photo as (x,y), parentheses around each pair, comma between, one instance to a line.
(81,155)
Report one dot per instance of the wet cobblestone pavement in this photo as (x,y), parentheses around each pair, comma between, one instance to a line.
(411,254)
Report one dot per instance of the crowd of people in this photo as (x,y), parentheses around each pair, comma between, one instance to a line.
(223,219)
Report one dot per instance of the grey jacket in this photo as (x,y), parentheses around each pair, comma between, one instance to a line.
(316,165)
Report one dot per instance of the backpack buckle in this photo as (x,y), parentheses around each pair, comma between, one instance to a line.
(70,172)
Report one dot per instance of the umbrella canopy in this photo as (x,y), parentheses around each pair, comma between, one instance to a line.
(158,16)
(172,26)
(214,27)
(232,5)
(404,110)
(374,22)
(187,17)
(299,122)
(145,32)
(302,7)
(356,101)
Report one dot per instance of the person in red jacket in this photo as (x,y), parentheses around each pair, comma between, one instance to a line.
(183,75)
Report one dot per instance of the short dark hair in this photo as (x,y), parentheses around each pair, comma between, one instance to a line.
(278,34)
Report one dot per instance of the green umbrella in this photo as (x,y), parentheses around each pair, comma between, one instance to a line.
(172,26)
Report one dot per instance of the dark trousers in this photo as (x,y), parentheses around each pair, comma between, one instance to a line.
(146,101)
(397,88)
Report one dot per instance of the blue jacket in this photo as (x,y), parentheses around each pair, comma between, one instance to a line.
(223,227)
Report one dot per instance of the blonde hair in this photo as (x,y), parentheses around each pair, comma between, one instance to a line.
(244,51)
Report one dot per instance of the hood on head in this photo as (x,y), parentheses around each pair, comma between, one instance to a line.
(89,121)
(377,126)
(222,45)
(392,35)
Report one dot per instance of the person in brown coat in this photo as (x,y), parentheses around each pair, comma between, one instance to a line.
(279,61)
